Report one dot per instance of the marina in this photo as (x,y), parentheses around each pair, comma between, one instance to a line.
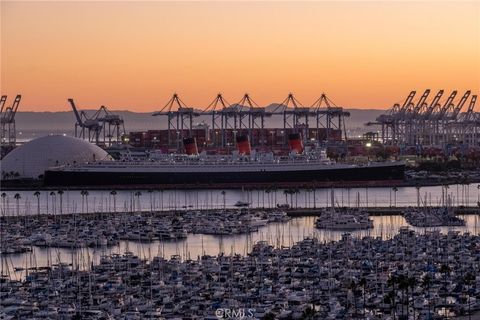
(210,160)
(328,275)
(135,255)
(171,236)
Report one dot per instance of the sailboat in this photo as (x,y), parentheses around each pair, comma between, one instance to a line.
(345,219)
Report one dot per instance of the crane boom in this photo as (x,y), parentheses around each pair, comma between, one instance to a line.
(421,102)
(3,99)
(409,99)
(459,107)
(447,104)
(14,108)
(9,113)
(75,111)
(219,100)
(471,106)
(396,109)
(433,104)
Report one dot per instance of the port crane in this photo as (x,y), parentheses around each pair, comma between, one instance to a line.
(249,117)
(8,138)
(113,126)
(255,115)
(85,127)
(431,124)
(103,128)
(179,120)
(329,116)
(219,110)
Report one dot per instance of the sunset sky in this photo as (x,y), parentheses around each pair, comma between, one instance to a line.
(130,55)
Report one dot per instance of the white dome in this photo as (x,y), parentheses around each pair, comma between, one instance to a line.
(34,157)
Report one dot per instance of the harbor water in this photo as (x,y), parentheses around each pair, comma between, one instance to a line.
(83,201)
(278,234)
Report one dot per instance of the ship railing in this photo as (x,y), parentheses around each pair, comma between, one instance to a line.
(106,164)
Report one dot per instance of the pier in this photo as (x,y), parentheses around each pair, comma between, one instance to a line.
(376,211)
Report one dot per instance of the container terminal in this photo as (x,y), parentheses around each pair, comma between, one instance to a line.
(435,134)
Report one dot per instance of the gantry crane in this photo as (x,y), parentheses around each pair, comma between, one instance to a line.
(218,110)
(430,124)
(329,116)
(113,126)
(90,128)
(180,120)
(8,138)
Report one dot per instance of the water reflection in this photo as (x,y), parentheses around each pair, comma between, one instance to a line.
(277,234)
(68,201)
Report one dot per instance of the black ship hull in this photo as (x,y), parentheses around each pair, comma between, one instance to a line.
(350,175)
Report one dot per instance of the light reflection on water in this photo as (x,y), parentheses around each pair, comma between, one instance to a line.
(277,234)
(134,200)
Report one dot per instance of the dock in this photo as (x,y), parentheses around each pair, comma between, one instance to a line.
(375,211)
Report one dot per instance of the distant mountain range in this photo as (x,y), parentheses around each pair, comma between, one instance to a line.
(41,123)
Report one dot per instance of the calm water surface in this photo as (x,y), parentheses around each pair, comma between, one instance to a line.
(26,202)
(277,234)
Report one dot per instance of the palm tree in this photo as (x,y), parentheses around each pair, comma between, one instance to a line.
(366,197)
(114,195)
(269,316)
(138,194)
(445,269)
(395,189)
(445,197)
(54,201)
(411,283)
(417,186)
(314,189)
(478,196)
(161,199)
(150,191)
(353,287)
(391,283)
(468,280)
(390,198)
(308,313)
(363,283)
(17,197)
(275,188)
(290,192)
(296,191)
(37,194)
(403,286)
(426,282)
(308,191)
(267,191)
(4,196)
(60,193)
(224,199)
(84,194)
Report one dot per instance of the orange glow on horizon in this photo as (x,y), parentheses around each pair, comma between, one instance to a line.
(135,55)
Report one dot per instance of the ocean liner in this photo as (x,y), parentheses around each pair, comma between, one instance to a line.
(244,167)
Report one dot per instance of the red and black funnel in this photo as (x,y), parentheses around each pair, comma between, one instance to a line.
(295,142)
(190,145)
(243,145)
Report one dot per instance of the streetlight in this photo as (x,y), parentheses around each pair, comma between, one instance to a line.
(368,145)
